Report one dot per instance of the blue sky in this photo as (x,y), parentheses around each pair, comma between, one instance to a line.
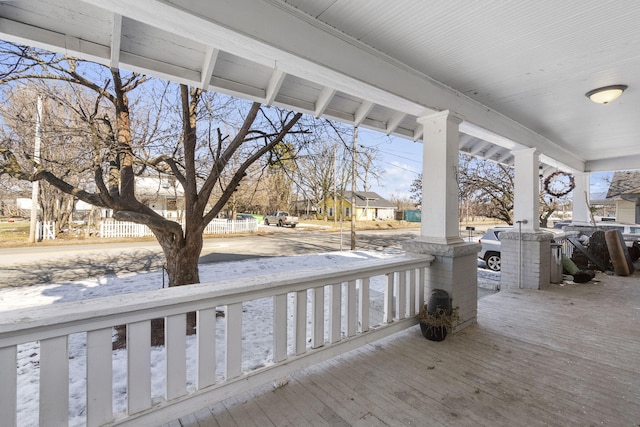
(401,163)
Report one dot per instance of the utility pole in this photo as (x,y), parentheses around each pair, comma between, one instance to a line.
(335,185)
(35,189)
(353,188)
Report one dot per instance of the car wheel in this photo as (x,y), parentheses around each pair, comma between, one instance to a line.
(293,226)
(266,222)
(493,261)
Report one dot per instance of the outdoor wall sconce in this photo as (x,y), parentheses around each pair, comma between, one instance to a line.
(605,95)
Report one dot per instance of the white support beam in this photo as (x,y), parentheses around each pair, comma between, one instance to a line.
(417,134)
(323,101)
(526,201)
(492,151)
(116,38)
(580,198)
(547,170)
(72,43)
(614,163)
(478,147)
(504,157)
(209,63)
(362,112)
(275,83)
(439,177)
(465,140)
(395,121)
(339,61)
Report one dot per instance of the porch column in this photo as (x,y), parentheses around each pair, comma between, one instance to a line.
(456,263)
(581,198)
(526,200)
(439,173)
(525,253)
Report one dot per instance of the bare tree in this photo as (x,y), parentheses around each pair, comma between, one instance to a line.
(489,184)
(488,187)
(63,152)
(200,161)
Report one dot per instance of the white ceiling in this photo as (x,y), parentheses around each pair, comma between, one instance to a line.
(515,71)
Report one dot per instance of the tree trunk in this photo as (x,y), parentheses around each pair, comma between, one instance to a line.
(182,257)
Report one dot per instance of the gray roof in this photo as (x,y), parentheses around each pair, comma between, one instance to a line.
(369,199)
(624,182)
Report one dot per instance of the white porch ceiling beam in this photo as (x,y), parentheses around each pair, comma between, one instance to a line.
(504,157)
(492,152)
(56,42)
(395,121)
(478,147)
(614,163)
(465,140)
(116,38)
(362,112)
(339,61)
(208,65)
(275,83)
(417,134)
(323,101)
(546,170)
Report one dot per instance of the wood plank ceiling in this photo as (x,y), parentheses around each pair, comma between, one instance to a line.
(515,71)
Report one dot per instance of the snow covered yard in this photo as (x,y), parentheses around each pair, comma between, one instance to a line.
(257,333)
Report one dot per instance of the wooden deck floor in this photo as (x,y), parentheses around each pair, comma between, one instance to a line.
(564,356)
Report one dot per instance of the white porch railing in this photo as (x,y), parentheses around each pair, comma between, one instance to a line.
(113,229)
(313,315)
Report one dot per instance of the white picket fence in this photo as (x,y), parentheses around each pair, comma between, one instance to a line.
(313,315)
(45,230)
(112,228)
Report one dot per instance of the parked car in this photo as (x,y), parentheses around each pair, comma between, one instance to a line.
(490,251)
(281,219)
(244,217)
(491,245)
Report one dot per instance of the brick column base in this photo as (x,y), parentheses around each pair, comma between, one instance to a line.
(525,259)
(455,269)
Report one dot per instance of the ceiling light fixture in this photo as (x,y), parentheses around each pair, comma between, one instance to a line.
(605,95)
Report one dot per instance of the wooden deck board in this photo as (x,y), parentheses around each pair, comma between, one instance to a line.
(563,356)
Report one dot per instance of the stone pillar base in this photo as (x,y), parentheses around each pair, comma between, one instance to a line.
(455,269)
(525,259)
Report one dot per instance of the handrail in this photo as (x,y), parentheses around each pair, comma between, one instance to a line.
(340,297)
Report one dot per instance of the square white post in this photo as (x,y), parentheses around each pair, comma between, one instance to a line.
(439,178)
(455,267)
(581,198)
(526,200)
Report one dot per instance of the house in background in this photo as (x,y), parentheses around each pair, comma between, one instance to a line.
(369,206)
(159,193)
(162,194)
(625,193)
(305,207)
(601,206)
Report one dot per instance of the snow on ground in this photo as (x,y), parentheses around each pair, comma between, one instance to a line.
(257,334)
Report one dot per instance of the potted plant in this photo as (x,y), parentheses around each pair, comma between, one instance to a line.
(435,326)
(437,317)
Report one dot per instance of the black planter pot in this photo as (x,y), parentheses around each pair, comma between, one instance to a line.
(439,302)
(433,333)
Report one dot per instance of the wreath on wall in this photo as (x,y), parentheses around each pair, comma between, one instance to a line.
(556,186)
